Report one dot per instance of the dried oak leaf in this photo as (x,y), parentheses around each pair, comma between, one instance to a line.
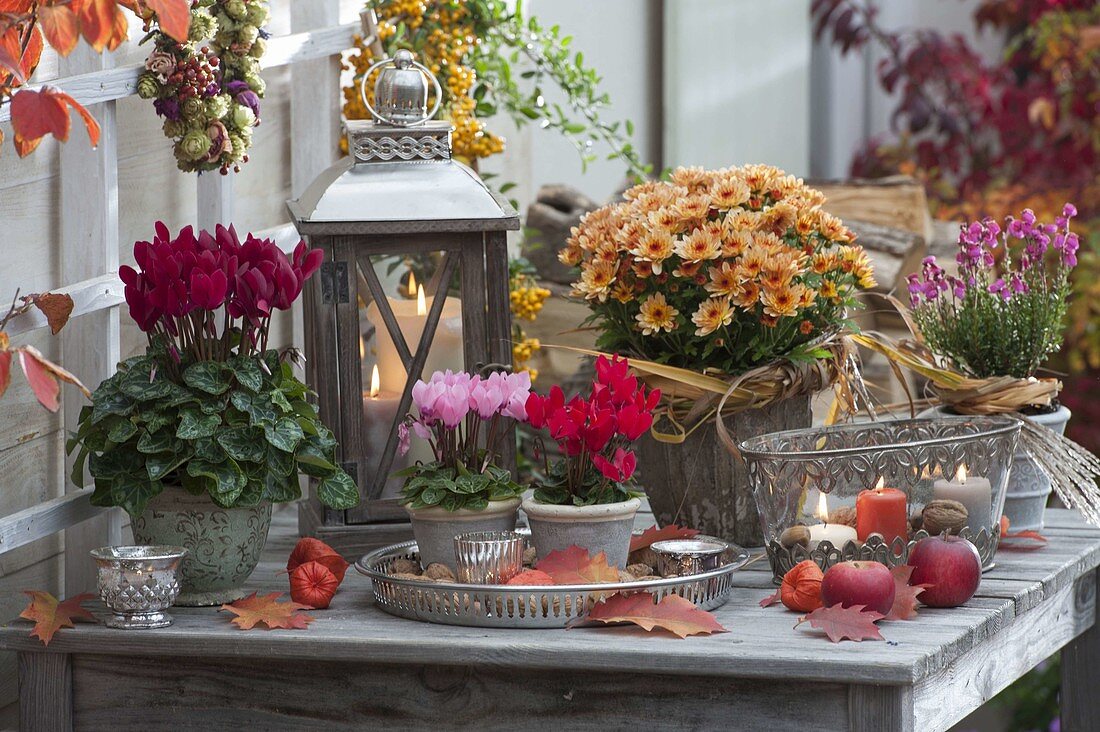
(269,611)
(673,613)
(844,623)
(574,566)
(905,594)
(652,534)
(50,615)
(309,549)
(313,584)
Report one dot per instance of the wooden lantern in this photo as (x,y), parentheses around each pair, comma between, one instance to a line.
(398,193)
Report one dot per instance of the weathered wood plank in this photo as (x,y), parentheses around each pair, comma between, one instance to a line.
(46,519)
(1081,666)
(44,574)
(45,691)
(877,708)
(89,296)
(368,695)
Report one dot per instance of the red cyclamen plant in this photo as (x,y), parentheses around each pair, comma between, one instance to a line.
(205,295)
(594,435)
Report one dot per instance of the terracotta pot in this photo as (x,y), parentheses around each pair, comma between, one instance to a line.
(604,528)
(435,528)
(223,544)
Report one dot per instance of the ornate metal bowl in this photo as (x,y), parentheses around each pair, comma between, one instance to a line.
(808,484)
(138,583)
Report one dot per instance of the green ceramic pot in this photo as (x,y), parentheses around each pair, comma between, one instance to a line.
(223,544)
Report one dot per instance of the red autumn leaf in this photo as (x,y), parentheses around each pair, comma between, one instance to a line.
(309,549)
(905,594)
(56,308)
(1008,544)
(97,22)
(61,26)
(673,613)
(573,566)
(844,623)
(5,371)
(42,375)
(652,534)
(772,599)
(174,17)
(18,62)
(313,584)
(531,577)
(269,611)
(50,616)
(38,112)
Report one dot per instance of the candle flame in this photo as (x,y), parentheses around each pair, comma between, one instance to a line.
(960,476)
(412,284)
(374,385)
(822,511)
(362,348)
(421,308)
(881,482)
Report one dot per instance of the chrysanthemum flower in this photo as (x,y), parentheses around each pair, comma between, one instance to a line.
(700,245)
(724,280)
(781,302)
(656,315)
(654,247)
(713,313)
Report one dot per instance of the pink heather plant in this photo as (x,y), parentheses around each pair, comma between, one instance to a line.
(453,412)
(1003,314)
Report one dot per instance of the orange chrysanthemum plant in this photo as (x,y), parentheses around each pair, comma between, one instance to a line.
(718,271)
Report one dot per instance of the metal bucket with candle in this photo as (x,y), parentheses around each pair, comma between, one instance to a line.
(869,491)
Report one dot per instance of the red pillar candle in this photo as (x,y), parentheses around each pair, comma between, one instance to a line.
(882,511)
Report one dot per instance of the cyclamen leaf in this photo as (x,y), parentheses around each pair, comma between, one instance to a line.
(122,431)
(652,534)
(150,443)
(268,610)
(338,491)
(159,465)
(284,435)
(844,623)
(206,376)
(242,443)
(194,424)
(281,488)
(574,566)
(227,476)
(131,493)
(673,613)
(50,615)
(248,374)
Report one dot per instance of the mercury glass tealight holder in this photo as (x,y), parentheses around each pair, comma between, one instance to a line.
(682,557)
(488,557)
(870,490)
(138,583)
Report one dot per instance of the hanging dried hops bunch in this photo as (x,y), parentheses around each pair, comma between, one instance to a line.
(208,88)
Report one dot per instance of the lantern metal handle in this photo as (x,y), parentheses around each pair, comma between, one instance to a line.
(417,65)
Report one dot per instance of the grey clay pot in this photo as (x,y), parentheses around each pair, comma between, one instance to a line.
(605,528)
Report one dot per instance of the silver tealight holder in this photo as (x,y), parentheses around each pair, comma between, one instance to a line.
(682,557)
(488,557)
(138,583)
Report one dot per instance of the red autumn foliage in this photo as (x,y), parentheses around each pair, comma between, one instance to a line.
(270,611)
(772,598)
(673,613)
(905,594)
(42,374)
(574,566)
(844,623)
(1021,541)
(531,577)
(50,616)
(652,534)
(313,584)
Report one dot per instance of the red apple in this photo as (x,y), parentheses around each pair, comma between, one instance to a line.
(858,583)
(951,565)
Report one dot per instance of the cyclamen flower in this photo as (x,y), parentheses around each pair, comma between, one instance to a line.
(620,468)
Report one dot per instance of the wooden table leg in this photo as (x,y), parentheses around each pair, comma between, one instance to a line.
(46,691)
(1081,669)
(877,708)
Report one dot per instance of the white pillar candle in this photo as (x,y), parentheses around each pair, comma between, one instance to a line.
(379,413)
(836,534)
(974,492)
(412,315)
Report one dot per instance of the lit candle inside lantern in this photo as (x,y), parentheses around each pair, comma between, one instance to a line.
(882,511)
(836,534)
(411,315)
(379,413)
(974,492)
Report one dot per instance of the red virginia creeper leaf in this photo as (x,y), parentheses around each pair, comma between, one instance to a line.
(43,384)
(673,613)
(5,371)
(97,22)
(61,27)
(652,534)
(772,599)
(15,59)
(174,17)
(50,616)
(36,113)
(905,595)
(844,623)
(269,611)
(573,566)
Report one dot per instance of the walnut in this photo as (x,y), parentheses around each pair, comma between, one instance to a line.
(406,575)
(643,556)
(943,515)
(916,521)
(529,556)
(845,515)
(439,572)
(639,569)
(795,535)
(404,566)
(625,576)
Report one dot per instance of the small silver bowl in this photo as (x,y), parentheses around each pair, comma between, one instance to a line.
(488,557)
(681,557)
(137,583)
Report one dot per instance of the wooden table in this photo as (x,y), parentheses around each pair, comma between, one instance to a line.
(356,666)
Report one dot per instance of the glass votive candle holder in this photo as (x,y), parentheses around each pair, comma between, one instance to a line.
(682,557)
(488,557)
(138,583)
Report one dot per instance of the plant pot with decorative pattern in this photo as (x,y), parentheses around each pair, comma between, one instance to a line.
(435,528)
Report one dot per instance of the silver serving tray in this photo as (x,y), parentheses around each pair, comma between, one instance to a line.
(520,606)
